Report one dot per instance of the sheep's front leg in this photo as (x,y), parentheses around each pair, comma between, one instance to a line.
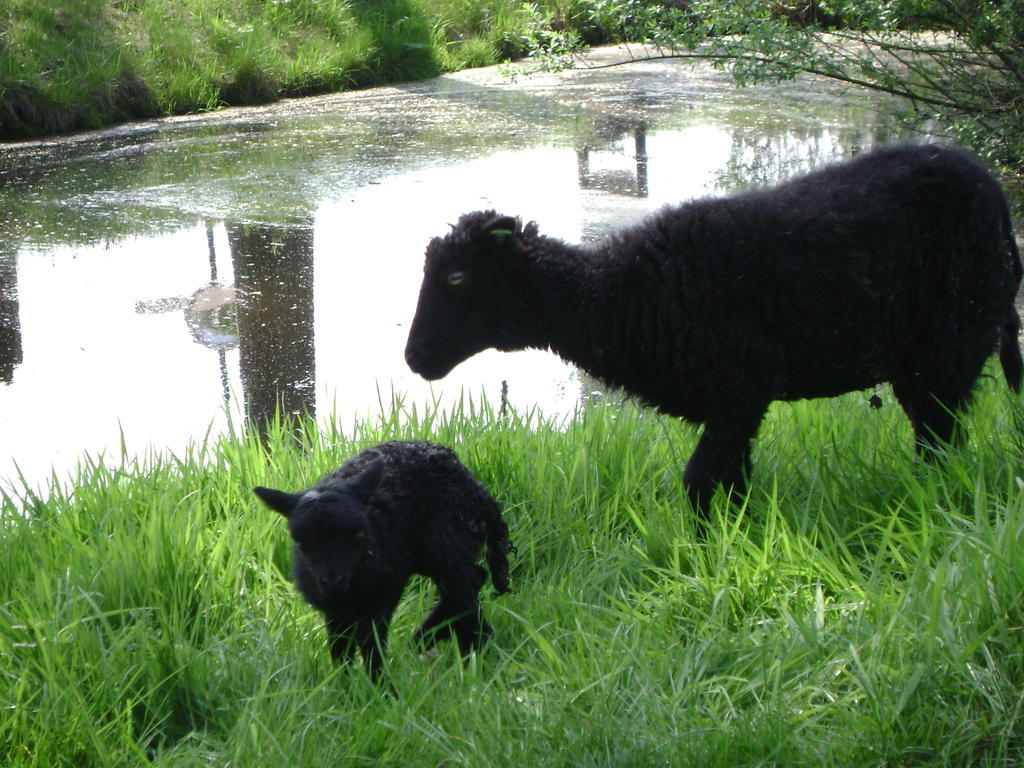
(722,457)
(372,639)
(341,630)
(371,631)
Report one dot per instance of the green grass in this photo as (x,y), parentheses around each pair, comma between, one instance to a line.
(859,609)
(70,65)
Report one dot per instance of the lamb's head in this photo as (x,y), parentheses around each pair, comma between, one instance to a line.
(329,525)
(474,292)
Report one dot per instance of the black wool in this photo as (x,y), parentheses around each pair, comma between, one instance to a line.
(898,266)
(398,509)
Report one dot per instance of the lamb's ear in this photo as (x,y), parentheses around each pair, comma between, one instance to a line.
(279,501)
(365,483)
(502,229)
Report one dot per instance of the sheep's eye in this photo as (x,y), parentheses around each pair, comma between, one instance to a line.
(455,277)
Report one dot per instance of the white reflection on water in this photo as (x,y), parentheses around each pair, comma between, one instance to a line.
(109,354)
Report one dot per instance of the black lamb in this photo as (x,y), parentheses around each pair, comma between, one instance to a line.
(897,266)
(360,533)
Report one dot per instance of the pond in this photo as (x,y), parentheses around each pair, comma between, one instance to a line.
(157,278)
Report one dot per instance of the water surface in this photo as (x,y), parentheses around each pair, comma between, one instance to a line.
(158,278)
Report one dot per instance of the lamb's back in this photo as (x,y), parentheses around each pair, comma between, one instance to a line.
(426,494)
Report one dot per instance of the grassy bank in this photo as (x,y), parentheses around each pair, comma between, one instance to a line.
(860,610)
(75,64)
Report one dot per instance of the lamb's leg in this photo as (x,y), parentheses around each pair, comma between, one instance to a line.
(471,629)
(426,636)
(459,608)
(371,632)
(722,457)
(372,638)
(341,629)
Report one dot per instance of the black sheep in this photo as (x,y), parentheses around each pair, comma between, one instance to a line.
(398,509)
(897,266)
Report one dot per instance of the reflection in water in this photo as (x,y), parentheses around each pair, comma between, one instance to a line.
(10,324)
(210,312)
(606,144)
(274,281)
(211,315)
(102,228)
(761,157)
(267,315)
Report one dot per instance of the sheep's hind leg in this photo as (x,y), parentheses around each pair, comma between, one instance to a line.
(722,457)
(426,636)
(932,405)
(457,611)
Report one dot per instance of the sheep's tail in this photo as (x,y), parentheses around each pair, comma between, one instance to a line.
(498,548)
(1009,343)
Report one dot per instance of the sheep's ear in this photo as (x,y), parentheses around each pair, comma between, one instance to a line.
(502,229)
(365,483)
(279,501)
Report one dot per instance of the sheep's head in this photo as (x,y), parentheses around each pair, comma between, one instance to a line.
(329,525)
(472,295)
